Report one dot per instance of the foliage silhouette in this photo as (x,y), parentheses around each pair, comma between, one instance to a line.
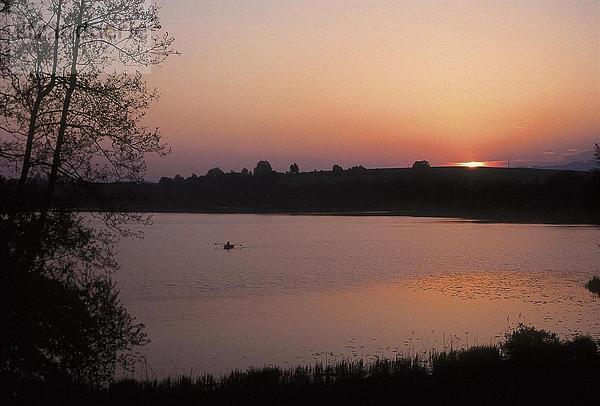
(214,172)
(421,165)
(263,168)
(66,113)
(511,373)
(65,110)
(294,169)
(336,169)
(593,285)
(62,321)
(521,195)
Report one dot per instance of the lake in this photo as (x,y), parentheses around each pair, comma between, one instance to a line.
(301,289)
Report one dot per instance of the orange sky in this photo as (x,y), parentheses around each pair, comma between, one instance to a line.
(378,83)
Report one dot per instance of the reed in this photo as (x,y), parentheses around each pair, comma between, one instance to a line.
(529,366)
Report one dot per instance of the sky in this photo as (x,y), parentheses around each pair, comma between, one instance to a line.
(377,83)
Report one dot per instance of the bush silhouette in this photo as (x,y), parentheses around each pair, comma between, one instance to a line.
(529,344)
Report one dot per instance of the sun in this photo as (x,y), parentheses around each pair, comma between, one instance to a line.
(472,164)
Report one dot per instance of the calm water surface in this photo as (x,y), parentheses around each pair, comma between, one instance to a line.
(319,288)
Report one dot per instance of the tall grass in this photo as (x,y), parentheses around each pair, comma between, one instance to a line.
(528,367)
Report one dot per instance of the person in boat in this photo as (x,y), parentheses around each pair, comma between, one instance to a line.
(228,246)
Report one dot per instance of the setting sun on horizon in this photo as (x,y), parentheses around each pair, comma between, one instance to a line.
(480,164)
(472,164)
(377,84)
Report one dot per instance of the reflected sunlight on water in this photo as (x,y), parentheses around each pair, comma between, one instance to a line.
(321,288)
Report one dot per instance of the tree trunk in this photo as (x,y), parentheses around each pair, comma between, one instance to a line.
(60,139)
(41,95)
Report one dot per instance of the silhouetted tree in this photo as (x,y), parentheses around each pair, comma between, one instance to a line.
(215,172)
(357,169)
(5,39)
(263,168)
(62,109)
(294,169)
(336,169)
(62,112)
(421,165)
(165,181)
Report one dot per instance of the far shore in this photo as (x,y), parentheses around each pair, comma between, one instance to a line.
(457,217)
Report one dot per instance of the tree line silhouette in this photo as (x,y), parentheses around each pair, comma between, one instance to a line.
(486,193)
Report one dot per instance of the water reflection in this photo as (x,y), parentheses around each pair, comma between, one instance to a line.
(324,288)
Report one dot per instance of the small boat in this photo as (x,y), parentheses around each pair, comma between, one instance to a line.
(228,246)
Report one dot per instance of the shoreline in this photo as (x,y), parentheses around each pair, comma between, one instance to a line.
(529,366)
(483,219)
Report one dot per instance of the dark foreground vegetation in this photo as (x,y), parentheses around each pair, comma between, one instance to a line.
(529,367)
(496,194)
(66,118)
(594,285)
